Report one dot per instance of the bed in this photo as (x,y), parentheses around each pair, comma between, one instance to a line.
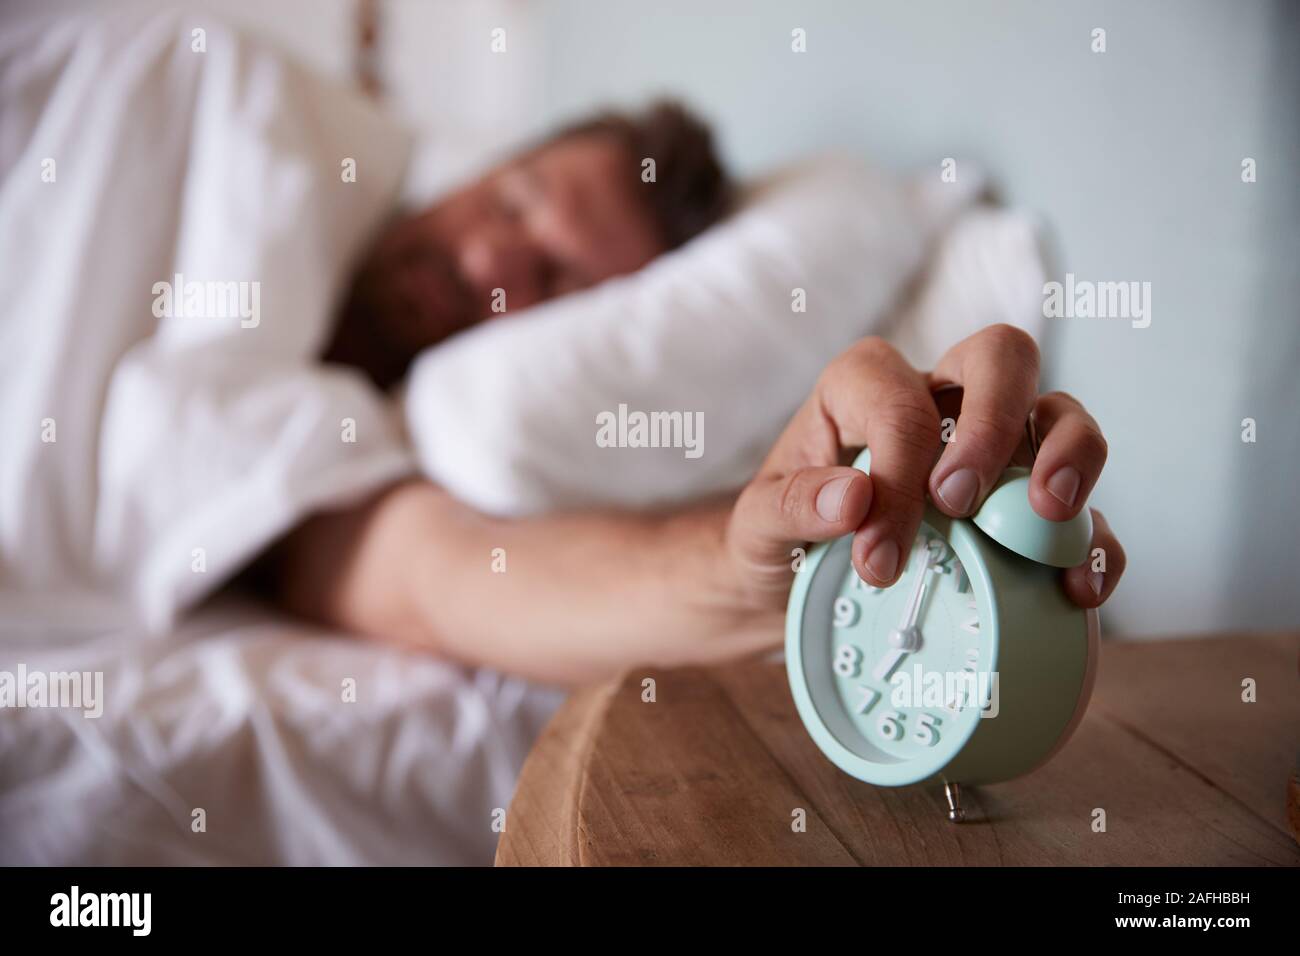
(243,738)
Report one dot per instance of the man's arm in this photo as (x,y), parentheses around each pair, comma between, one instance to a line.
(581,596)
(586,595)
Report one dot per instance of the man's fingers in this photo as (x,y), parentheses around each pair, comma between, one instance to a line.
(1092,582)
(997,368)
(870,396)
(1070,457)
(778,513)
(874,398)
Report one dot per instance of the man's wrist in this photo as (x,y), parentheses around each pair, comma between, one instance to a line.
(734,605)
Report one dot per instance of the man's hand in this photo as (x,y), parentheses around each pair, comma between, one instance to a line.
(586,595)
(869,396)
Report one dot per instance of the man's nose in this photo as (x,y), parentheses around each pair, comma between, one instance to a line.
(491,261)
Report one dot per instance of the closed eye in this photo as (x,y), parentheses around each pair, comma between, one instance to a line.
(518,190)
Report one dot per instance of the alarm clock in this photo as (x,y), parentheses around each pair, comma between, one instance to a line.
(973,668)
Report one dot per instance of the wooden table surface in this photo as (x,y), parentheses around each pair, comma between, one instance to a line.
(713,770)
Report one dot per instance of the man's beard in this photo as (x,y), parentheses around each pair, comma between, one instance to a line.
(406,297)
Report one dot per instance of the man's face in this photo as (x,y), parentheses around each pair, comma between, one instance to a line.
(557,219)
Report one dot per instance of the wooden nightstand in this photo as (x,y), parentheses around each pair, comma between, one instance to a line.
(713,772)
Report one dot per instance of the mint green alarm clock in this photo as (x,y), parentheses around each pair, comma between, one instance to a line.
(973,668)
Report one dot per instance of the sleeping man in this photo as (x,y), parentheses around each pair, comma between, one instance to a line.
(589,593)
(151,454)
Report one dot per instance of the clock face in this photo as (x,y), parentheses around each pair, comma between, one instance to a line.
(896,677)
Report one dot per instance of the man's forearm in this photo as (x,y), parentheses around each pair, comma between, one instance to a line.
(573,597)
(562,598)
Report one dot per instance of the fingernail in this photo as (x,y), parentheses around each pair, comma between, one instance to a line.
(1064,485)
(959,489)
(1096,581)
(830,500)
(883,561)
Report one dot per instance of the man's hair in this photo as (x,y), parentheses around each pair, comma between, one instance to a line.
(691,191)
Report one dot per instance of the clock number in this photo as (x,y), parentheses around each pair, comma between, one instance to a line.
(848,661)
(926,733)
(890,725)
(846,612)
(869,697)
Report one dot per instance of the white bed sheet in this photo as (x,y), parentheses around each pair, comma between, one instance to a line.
(240,713)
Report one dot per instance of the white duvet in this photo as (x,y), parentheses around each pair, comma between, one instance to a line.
(230,743)
(149,455)
(148,450)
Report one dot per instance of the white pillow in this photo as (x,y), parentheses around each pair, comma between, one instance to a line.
(987,268)
(506,415)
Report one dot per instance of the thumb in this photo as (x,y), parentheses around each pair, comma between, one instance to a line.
(777,513)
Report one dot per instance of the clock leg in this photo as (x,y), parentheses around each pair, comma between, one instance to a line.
(952,791)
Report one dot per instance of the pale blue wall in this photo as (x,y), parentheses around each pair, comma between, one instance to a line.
(1133,156)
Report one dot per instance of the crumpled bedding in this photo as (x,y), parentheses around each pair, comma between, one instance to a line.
(151,449)
(156,440)
(244,738)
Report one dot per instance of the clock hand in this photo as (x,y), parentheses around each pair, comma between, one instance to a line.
(918,587)
(893,657)
(903,641)
(914,613)
(907,637)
